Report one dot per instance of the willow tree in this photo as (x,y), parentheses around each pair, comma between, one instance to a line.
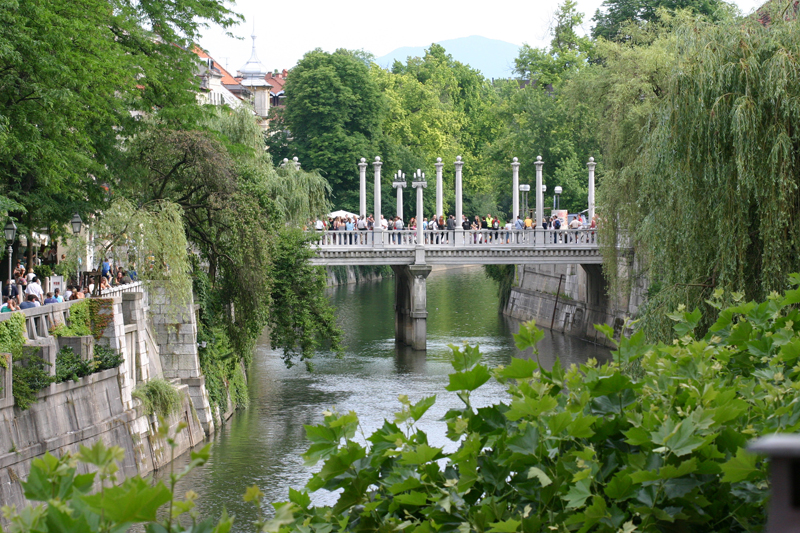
(717,179)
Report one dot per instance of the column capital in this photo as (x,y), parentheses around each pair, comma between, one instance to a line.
(539,162)
(363,163)
(591,164)
(419,180)
(515,163)
(459,163)
(377,163)
(399,180)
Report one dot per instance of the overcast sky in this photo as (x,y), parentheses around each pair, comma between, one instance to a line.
(287,30)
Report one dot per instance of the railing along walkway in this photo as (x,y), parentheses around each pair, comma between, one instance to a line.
(458,238)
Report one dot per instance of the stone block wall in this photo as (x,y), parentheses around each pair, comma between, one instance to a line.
(581,302)
(175,328)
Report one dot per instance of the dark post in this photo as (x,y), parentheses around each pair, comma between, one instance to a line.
(784,455)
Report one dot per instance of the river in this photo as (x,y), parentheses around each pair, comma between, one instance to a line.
(262,445)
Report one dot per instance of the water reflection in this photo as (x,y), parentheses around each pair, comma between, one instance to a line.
(263,445)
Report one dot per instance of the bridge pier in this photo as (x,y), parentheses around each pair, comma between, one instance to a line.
(411,305)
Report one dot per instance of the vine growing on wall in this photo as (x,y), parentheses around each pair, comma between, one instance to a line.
(89,317)
(12,336)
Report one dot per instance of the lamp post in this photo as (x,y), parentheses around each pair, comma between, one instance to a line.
(76,223)
(524,188)
(11,233)
(557,197)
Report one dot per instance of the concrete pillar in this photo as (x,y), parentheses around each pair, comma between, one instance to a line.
(362,190)
(539,194)
(439,165)
(378,230)
(411,313)
(418,182)
(399,183)
(514,190)
(459,201)
(591,164)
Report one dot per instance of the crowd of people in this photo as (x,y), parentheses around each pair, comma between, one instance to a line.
(24,290)
(434,230)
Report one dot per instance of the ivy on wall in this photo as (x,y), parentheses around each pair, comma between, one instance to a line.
(89,317)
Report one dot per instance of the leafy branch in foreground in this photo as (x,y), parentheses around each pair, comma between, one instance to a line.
(589,448)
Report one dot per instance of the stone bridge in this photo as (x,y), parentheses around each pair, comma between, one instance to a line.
(411,257)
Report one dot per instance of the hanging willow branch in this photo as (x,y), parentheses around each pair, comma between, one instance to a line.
(716,191)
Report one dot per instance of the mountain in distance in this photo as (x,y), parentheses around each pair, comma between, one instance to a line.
(494,58)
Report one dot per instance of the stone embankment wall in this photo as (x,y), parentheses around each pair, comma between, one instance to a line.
(156,340)
(581,304)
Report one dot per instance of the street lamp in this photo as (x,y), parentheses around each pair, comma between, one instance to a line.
(557,197)
(525,188)
(76,228)
(11,233)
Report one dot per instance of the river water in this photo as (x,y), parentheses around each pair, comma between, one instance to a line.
(263,444)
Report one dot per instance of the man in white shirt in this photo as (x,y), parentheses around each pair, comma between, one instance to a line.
(384,224)
(35,289)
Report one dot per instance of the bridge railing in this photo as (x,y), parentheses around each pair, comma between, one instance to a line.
(458,238)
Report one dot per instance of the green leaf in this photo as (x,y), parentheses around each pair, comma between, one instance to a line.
(528,335)
(420,455)
(519,369)
(419,408)
(412,498)
(135,500)
(619,488)
(739,467)
(469,380)
(301,499)
(507,526)
(581,427)
(466,357)
(530,407)
(606,330)
(578,494)
(538,473)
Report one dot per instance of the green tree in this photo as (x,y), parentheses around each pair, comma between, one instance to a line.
(71,73)
(236,208)
(612,20)
(568,52)
(333,114)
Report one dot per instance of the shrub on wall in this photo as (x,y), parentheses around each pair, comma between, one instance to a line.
(159,397)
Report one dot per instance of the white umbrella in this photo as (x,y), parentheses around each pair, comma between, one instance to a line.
(341,213)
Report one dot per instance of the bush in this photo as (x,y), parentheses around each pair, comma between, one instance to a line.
(43,271)
(159,397)
(79,322)
(105,358)
(29,377)
(587,448)
(69,366)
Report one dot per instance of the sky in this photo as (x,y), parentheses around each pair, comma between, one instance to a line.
(285,31)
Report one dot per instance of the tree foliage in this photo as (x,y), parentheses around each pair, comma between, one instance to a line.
(710,198)
(613,19)
(333,113)
(72,77)
(652,441)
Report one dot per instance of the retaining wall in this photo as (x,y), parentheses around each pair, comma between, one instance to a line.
(581,304)
(101,406)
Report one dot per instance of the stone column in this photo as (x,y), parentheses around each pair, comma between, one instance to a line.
(539,195)
(399,183)
(514,190)
(362,191)
(591,164)
(439,165)
(419,183)
(411,313)
(459,201)
(378,239)
(296,163)
(459,189)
